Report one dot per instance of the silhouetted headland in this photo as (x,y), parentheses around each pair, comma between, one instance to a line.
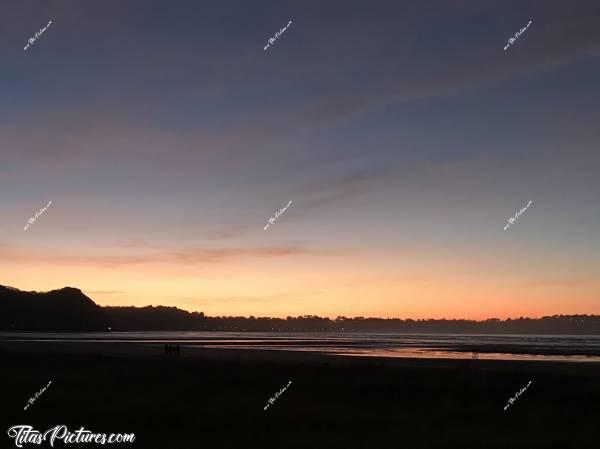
(70,310)
(67,309)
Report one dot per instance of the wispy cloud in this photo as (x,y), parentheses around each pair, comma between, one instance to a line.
(245,299)
(577,35)
(343,188)
(103,292)
(187,256)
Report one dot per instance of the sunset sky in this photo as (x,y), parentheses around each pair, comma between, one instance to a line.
(404,135)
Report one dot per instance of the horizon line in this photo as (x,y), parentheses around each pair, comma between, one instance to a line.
(356,317)
(331,318)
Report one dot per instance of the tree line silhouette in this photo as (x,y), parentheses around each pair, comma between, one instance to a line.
(70,310)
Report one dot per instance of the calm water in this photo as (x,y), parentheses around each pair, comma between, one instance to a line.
(575,348)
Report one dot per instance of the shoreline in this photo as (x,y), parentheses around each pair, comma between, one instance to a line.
(155,350)
(573,349)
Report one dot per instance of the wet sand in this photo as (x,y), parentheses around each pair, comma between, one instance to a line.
(216,398)
(574,348)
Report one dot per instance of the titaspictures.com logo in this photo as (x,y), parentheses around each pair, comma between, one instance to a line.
(24,434)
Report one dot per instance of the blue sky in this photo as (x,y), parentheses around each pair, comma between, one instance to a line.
(404,134)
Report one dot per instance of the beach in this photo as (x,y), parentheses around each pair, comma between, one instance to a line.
(215,398)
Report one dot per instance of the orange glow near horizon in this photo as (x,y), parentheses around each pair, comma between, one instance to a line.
(315,285)
(390,190)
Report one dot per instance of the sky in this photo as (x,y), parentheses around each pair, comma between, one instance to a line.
(403,133)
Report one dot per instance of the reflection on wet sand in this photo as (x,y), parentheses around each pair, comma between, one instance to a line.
(580,348)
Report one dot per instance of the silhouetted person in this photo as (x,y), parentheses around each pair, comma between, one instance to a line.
(177,350)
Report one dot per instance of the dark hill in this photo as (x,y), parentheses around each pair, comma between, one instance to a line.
(67,309)
(151,318)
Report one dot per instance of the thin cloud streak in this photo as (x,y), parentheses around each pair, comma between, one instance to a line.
(187,256)
(103,292)
(555,43)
